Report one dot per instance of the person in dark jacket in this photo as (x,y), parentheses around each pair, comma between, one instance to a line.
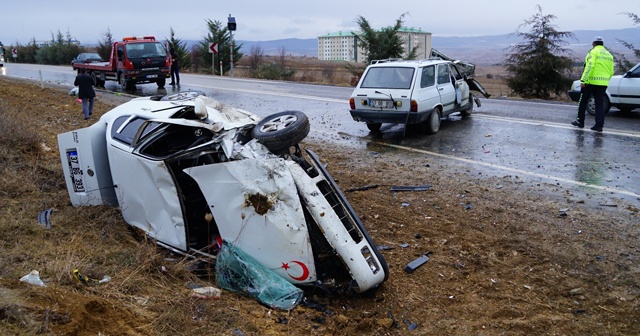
(85,85)
(175,68)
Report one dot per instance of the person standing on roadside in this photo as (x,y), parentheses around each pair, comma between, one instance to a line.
(85,85)
(175,68)
(598,69)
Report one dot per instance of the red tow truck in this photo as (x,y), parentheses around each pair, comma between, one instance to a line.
(133,60)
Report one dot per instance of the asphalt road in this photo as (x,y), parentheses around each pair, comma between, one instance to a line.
(529,139)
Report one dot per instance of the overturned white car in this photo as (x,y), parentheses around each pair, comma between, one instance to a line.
(190,172)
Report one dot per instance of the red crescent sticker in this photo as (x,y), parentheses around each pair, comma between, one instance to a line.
(305,270)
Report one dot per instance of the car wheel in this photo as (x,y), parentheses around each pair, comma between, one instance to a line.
(591,106)
(432,125)
(467,112)
(281,130)
(161,82)
(374,127)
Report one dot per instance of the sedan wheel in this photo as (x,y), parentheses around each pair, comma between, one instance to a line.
(432,125)
(374,127)
(282,130)
(591,106)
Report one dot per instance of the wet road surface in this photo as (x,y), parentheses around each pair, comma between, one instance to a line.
(527,139)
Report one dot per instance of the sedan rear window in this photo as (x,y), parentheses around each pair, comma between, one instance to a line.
(388,78)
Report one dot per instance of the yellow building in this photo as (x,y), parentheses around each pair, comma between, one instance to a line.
(344,46)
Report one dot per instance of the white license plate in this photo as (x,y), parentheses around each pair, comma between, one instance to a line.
(76,172)
(152,76)
(380,103)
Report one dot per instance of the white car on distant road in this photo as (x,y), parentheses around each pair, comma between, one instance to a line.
(623,92)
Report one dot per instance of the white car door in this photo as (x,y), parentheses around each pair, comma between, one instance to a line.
(145,189)
(445,88)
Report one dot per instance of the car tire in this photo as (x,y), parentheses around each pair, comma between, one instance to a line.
(374,127)
(467,112)
(161,82)
(432,124)
(281,130)
(591,106)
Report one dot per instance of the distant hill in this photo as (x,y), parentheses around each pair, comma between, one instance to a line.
(482,50)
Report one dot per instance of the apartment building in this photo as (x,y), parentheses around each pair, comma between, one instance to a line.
(344,46)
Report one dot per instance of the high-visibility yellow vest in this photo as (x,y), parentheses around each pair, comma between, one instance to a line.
(598,67)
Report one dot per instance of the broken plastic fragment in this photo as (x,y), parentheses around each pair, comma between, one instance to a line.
(411,188)
(206,293)
(33,278)
(412,266)
(44,218)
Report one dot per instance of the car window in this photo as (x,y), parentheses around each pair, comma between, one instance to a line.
(125,128)
(428,77)
(455,72)
(388,78)
(444,75)
(635,73)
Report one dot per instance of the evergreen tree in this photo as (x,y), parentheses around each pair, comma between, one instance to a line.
(384,43)
(536,65)
(220,34)
(180,49)
(104,46)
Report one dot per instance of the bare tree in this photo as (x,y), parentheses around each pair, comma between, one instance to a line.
(256,57)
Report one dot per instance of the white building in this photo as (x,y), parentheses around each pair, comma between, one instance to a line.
(344,46)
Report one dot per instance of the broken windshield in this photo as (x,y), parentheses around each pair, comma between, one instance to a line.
(388,78)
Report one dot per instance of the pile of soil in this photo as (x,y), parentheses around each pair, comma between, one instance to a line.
(507,256)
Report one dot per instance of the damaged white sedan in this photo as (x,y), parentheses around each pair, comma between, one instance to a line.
(191,172)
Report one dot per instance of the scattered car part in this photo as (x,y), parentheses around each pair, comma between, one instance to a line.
(412,266)
(44,218)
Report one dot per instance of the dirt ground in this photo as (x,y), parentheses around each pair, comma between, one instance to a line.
(507,256)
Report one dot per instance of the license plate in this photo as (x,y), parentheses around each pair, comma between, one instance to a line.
(75,170)
(380,103)
(152,76)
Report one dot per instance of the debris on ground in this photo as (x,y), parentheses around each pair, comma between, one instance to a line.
(33,278)
(412,266)
(239,272)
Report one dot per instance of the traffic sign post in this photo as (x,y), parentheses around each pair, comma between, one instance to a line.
(231,26)
(213,50)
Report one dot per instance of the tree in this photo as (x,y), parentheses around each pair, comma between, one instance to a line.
(536,65)
(104,46)
(60,50)
(180,49)
(220,34)
(622,63)
(384,43)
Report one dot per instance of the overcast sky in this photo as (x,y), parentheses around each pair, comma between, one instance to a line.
(260,20)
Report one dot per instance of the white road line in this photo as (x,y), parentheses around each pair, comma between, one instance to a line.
(556,125)
(513,170)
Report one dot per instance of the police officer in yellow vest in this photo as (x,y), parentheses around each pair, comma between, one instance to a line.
(598,69)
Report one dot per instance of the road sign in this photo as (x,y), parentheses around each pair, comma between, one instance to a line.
(213,48)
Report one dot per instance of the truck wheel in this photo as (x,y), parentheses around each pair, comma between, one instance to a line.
(161,82)
(126,85)
(281,130)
